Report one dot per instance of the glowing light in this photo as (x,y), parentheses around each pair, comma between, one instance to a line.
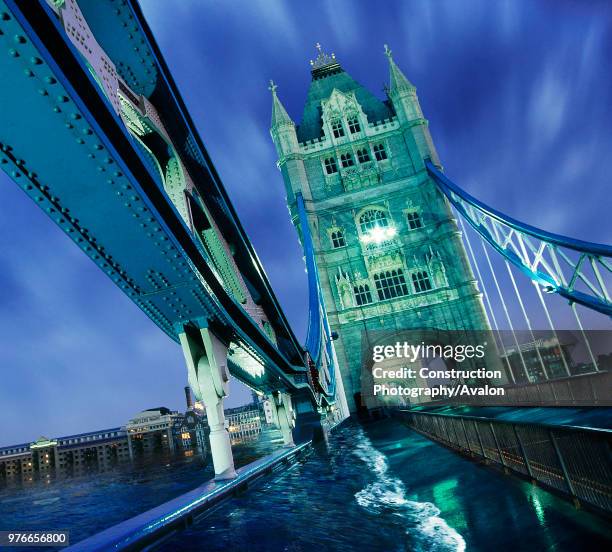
(379,234)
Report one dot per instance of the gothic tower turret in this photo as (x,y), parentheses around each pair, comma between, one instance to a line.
(388,250)
(403,96)
(285,139)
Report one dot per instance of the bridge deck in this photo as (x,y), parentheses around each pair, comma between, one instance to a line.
(70,152)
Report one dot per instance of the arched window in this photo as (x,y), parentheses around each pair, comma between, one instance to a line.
(330,165)
(362,294)
(414,220)
(372,218)
(353,124)
(421,281)
(337,239)
(390,284)
(363,156)
(346,159)
(380,152)
(337,128)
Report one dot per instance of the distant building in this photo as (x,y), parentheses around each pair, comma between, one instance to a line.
(192,431)
(244,422)
(548,352)
(153,430)
(65,455)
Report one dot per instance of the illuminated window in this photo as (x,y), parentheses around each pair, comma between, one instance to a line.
(379,152)
(372,218)
(390,284)
(362,294)
(421,281)
(347,160)
(414,220)
(353,125)
(337,239)
(330,165)
(337,129)
(363,156)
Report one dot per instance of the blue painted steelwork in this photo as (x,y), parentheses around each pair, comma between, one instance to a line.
(96,182)
(319,339)
(546,258)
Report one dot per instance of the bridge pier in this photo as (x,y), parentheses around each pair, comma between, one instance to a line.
(206,359)
(284,415)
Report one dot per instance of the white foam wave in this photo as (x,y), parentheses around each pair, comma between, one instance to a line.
(428,531)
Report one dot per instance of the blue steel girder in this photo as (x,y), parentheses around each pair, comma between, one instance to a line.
(574,269)
(319,343)
(66,148)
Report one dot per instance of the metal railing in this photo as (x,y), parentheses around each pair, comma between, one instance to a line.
(571,460)
(582,390)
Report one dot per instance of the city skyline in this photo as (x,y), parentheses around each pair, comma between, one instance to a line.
(69,334)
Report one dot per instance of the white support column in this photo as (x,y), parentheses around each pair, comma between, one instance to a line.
(284,416)
(208,375)
(341,402)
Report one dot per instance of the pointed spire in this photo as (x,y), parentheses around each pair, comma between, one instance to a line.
(279,114)
(397,79)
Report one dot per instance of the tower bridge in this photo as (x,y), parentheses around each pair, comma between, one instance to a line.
(98,136)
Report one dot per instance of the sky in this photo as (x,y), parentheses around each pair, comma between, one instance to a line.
(519,99)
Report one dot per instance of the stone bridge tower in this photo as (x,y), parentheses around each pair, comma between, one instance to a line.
(388,251)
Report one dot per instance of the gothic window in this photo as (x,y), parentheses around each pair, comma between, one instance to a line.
(414,220)
(421,281)
(363,296)
(363,156)
(353,124)
(347,160)
(337,239)
(330,165)
(337,129)
(372,218)
(390,284)
(380,152)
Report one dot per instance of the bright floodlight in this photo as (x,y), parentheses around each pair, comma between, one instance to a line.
(379,234)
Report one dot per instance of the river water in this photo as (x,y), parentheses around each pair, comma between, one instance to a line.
(374,487)
(382,487)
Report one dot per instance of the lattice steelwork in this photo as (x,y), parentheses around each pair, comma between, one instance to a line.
(577,270)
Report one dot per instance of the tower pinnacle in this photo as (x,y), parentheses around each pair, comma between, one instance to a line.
(279,113)
(397,79)
(324,64)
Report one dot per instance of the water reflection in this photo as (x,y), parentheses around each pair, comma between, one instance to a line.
(75,498)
